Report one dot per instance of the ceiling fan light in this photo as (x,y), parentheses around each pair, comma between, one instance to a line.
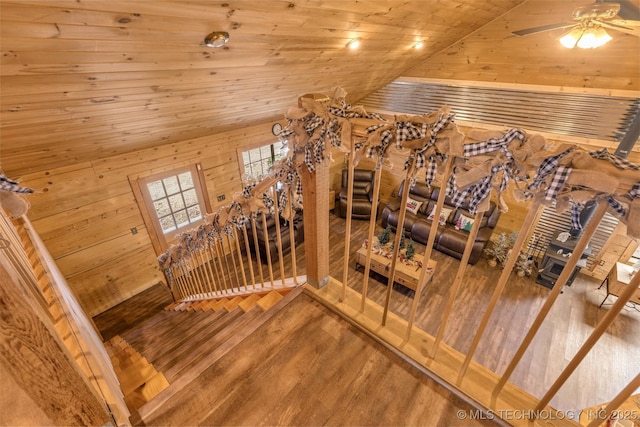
(570,39)
(588,40)
(602,37)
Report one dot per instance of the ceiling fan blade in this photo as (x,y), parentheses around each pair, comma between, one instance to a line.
(624,23)
(633,31)
(541,29)
(628,9)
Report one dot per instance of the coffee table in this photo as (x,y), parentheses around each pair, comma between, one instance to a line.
(406,275)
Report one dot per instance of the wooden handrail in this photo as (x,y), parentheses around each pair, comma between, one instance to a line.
(84,342)
(204,266)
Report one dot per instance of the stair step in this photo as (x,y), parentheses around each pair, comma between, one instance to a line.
(233,303)
(136,375)
(269,300)
(185,363)
(181,374)
(249,302)
(210,305)
(145,392)
(172,306)
(167,341)
(219,305)
(197,343)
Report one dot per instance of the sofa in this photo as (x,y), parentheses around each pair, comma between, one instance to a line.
(362,207)
(454,226)
(272,243)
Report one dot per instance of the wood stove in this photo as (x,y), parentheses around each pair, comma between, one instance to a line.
(555,258)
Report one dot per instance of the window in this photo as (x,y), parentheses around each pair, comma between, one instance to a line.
(257,162)
(174,201)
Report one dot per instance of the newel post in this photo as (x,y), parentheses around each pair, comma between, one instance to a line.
(315,199)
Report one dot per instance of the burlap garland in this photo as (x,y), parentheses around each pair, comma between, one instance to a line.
(315,125)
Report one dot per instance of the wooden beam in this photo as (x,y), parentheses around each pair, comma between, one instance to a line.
(315,198)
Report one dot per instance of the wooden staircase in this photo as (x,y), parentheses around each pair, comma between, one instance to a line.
(162,354)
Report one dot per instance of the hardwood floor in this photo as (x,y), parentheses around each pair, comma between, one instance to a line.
(308,367)
(132,312)
(607,369)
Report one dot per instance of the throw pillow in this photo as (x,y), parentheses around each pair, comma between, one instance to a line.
(464,223)
(444,214)
(413,205)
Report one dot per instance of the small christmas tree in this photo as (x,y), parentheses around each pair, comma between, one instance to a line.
(384,236)
(411,250)
(402,242)
(499,249)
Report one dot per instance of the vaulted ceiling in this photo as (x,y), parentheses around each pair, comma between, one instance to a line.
(85,79)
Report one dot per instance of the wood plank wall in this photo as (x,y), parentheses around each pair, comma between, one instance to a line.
(85,212)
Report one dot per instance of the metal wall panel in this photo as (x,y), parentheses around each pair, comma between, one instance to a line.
(586,116)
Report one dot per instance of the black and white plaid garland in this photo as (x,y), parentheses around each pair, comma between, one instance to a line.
(377,150)
(438,126)
(576,208)
(246,191)
(616,206)
(11,185)
(494,144)
(479,191)
(634,193)
(311,124)
(547,167)
(620,163)
(560,177)
(406,131)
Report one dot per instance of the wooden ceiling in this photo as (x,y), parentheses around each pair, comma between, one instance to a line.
(86,79)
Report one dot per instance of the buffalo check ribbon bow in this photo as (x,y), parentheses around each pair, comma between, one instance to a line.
(559,176)
(495,144)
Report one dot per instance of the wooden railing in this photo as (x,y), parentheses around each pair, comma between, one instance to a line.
(239,250)
(21,246)
(432,139)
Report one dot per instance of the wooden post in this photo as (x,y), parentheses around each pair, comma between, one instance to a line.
(502,281)
(458,279)
(396,244)
(315,198)
(347,226)
(249,259)
(372,227)
(276,216)
(600,329)
(557,288)
(429,248)
(38,362)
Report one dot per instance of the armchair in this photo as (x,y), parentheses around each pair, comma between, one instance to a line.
(362,194)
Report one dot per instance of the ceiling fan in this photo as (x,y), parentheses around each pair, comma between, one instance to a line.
(588,29)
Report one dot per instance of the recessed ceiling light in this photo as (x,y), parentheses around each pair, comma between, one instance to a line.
(216,39)
(353,44)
